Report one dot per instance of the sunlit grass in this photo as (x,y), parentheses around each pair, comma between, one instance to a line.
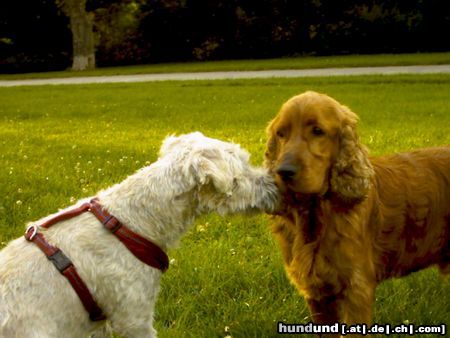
(61,143)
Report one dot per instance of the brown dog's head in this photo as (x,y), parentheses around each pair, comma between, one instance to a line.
(313,148)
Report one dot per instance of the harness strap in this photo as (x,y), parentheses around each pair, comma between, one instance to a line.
(66,268)
(144,250)
(140,247)
(66,215)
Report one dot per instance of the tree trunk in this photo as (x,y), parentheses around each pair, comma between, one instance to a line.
(81,25)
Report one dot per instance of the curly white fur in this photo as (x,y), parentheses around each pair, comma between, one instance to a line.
(193,175)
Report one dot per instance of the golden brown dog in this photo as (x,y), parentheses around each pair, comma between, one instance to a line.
(350,221)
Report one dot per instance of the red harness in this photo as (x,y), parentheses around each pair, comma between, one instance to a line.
(141,248)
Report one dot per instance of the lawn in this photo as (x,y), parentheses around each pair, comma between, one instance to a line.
(300,62)
(61,143)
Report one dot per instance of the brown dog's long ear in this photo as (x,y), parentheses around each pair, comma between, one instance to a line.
(272,147)
(352,172)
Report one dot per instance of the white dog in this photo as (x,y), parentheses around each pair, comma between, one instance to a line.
(193,175)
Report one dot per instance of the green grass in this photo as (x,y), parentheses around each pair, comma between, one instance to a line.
(304,62)
(60,143)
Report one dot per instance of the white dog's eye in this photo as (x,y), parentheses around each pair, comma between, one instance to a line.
(235,183)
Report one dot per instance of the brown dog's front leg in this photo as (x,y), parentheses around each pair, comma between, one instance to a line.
(356,306)
(353,308)
(324,311)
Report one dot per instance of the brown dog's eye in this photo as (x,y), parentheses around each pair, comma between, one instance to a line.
(317,131)
(280,133)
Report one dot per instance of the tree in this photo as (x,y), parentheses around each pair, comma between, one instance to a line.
(81,25)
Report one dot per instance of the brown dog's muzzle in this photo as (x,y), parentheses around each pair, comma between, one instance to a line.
(286,171)
(287,167)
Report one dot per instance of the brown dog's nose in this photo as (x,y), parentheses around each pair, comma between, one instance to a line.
(286,172)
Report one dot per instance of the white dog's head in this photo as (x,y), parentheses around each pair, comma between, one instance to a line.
(221,174)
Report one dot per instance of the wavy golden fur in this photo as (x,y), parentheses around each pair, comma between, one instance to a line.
(351,221)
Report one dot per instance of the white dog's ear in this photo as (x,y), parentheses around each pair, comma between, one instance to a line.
(169,143)
(210,166)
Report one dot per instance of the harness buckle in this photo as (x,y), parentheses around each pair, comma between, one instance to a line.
(34,230)
(112,224)
(60,261)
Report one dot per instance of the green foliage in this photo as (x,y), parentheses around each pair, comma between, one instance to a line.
(117,32)
(182,30)
(61,143)
(142,32)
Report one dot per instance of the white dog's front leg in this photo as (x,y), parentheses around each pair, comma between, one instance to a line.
(132,316)
(105,331)
(145,331)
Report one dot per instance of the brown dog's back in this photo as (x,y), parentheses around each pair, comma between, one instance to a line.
(414,205)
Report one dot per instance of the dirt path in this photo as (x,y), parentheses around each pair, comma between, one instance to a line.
(433,69)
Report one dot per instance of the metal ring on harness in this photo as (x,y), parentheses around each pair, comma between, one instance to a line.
(35,231)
